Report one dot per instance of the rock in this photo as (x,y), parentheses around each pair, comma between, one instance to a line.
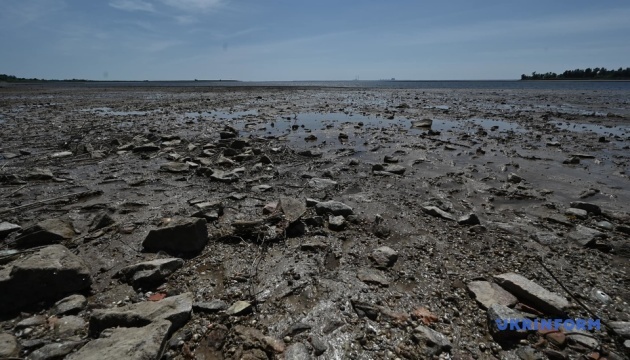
(56,351)
(6,228)
(226,176)
(39,174)
(70,305)
(395,169)
(592,208)
(499,318)
(319,345)
(175,309)
(210,307)
(335,208)
(47,274)
(389,159)
(8,346)
(311,153)
(227,134)
(181,235)
(336,223)
(622,328)
(470,219)
(175,167)
(605,225)
(209,210)
(370,276)
(33,321)
(47,232)
(488,294)
(297,351)
(555,354)
(532,293)
(384,257)
(583,338)
(239,308)
(69,326)
(545,238)
(321,184)
(293,209)
(573,160)
(139,343)
(149,274)
(148,147)
(101,220)
(578,213)
(424,123)
(436,211)
(297,328)
(585,236)
(514,179)
(253,338)
(261,188)
(433,342)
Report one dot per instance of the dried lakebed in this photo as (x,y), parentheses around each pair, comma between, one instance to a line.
(297,223)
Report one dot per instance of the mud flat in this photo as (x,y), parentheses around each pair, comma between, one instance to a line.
(297,223)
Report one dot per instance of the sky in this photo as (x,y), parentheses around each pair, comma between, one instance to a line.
(267,40)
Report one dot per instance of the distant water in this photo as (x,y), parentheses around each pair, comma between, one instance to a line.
(374,84)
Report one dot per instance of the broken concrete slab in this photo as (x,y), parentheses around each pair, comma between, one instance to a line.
(488,294)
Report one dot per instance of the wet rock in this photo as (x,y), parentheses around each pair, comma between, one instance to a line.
(488,294)
(321,184)
(8,346)
(297,351)
(534,294)
(175,167)
(573,160)
(335,208)
(72,304)
(434,343)
(605,225)
(46,232)
(514,179)
(370,276)
(622,328)
(384,257)
(470,219)
(389,159)
(585,236)
(336,223)
(311,153)
(46,274)
(437,212)
(391,169)
(101,220)
(499,317)
(239,308)
(149,274)
(578,213)
(175,309)
(56,351)
(39,174)
(210,306)
(209,210)
(592,208)
(6,228)
(424,123)
(319,345)
(148,147)
(181,235)
(139,343)
(292,208)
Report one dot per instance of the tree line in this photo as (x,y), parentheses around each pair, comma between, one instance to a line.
(577,74)
(12,78)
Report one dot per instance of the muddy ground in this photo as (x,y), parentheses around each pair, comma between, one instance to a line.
(514,158)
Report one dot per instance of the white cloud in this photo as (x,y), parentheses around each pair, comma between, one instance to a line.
(194,5)
(132,5)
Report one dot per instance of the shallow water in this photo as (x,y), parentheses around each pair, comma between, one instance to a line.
(596,128)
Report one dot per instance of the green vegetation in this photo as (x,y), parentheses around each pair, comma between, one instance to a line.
(586,74)
(12,78)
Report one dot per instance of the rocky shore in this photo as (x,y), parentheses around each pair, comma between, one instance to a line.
(312,223)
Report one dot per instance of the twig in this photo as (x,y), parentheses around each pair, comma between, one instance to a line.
(46,200)
(13,192)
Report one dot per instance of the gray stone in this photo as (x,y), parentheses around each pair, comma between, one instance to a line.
(621,327)
(470,219)
(384,257)
(395,169)
(8,346)
(319,345)
(70,305)
(210,306)
(585,236)
(139,343)
(227,176)
(605,225)
(7,228)
(370,276)
(39,174)
(592,208)
(69,326)
(239,308)
(175,309)
(55,351)
(321,184)
(498,317)
(47,274)
(149,273)
(148,147)
(532,293)
(513,178)
(261,188)
(333,207)
(181,235)
(433,342)
(297,351)
(545,238)
(297,328)
(336,223)
(33,321)
(389,159)
(175,167)
(423,123)
(583,338)
(578,213)
(101,220)
(311,153)
(47,232)
(488,294)
(436,211)
(292,208)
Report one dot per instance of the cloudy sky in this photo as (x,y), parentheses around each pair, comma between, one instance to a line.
(309,40)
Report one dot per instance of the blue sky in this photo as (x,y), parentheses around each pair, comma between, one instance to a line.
(309,40)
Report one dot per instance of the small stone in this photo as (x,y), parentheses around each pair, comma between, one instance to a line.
(175,167)
(319,345)
(384,257)
(605,225)
(69,326)
(6,228)
(592,208)
(149,274)
(297,351)
(101,220)
(545,238)
(573,160)
(536,295)
(321,184)
(210,307)
(239,308)
(336,223)
(437,212)
(148,147)
(39,174)
(514,179)
(292,208)
(391,159)
(499,317)
(557,338)
(370,276)
(621,327)
(335,208)
(70,305)
(578,213)
(180,235)
(585,236)
(61,154)
(470,219)
(310,153)
(47,232)
(57,351)
(433,342)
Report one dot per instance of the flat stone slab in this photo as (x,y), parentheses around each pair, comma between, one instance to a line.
(532,293)
(371,276)
(488,294)
(585,236)
(335,208)
(149,273)
(436,211)
(181,235)
(47,232)
(7,228)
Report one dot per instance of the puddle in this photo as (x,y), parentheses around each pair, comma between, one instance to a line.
(108,111)
(220,115)
(596,128)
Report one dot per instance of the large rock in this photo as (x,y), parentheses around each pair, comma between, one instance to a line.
(48,274)
(47,232)
(488,294)
(55,351)
(384,257)
(292,208)
(7,228)
(499,319)
(592,208)
(333,207)
(149,273)
(69,305)
(141,343)
(8,346)
(181,235)
(621,327)
(585,236)
(39,174)
(532,293)
(432,341)
(321,184)
(175,309)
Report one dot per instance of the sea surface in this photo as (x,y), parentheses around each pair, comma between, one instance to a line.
(373,84)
